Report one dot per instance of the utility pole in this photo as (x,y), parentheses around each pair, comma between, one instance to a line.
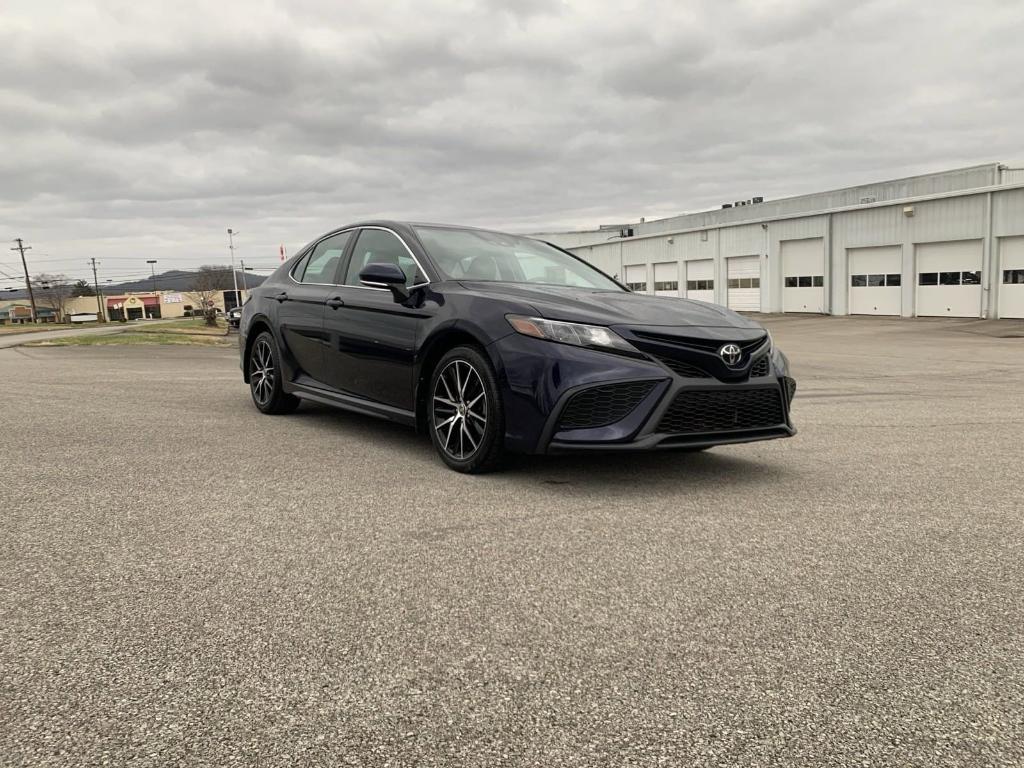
(234,275)
(99,298)
(28,283)
(242,262)
(152,271)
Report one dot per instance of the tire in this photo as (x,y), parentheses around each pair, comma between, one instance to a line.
(264,365)
(467,427)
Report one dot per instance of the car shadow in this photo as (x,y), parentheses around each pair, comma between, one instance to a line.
(571,472)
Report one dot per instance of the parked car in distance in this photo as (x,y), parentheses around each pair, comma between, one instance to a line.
(234,316)
(491,342)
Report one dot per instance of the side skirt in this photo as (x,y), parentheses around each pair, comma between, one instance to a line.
(350,403)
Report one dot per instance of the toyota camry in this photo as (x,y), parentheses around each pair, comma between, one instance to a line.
(490,342)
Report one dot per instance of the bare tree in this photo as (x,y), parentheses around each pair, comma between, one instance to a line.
(53,291)
(82,288)
(208,282)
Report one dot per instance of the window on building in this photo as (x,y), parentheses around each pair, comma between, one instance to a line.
(322,264)
(892,279)
(805,281)
(1013,276)
(637,286)
(875,281)
(859,281)
(734,282)
(970,278)
(949,278)
(667,285)
(928,278)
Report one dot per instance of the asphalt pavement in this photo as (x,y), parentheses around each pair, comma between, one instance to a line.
(184,581)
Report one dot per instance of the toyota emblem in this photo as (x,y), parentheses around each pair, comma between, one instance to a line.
(730,353)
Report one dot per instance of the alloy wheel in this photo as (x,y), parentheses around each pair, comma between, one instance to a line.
(460,409)
(261,372)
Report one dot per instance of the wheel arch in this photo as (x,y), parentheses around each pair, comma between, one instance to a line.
(258,325)
(437,345)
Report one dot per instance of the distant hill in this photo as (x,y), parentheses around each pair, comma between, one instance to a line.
(179,280)
(172,280)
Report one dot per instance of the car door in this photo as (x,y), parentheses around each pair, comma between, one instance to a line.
(372,338)
(300,314)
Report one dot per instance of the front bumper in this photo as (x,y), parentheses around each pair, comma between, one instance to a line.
(541,378)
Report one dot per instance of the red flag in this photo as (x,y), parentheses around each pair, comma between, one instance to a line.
(282,252)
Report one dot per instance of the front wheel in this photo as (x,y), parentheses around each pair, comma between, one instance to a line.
(466,416)
(265,377)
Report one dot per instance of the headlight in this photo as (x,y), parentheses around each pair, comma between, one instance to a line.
(569,333)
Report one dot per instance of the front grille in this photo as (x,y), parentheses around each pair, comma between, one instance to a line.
(701,344)
(685,370)
(760,367)
(720,410)
(603,405)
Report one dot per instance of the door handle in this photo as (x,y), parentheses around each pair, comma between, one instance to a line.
(282,296)
(334,302)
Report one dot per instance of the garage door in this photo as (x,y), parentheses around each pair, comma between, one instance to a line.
(949,279)
(636,277)
(744,283)
(700,280)
(666,279)
(803,274)
(875,276)
(1011,274)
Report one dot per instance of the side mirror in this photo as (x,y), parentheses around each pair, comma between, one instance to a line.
(385,276)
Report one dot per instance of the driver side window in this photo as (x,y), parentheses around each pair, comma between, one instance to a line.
(377,246)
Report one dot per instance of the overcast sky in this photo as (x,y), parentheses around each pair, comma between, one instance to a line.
(142,129)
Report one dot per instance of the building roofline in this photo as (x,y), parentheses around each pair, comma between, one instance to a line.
(995,166)
(993,188)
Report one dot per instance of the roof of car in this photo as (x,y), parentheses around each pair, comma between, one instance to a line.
(440,225)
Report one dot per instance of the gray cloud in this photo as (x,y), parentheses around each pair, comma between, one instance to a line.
(133,132)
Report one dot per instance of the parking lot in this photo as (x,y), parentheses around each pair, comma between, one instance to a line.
(185,581)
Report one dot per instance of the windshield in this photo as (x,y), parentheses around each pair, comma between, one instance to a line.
(469,254)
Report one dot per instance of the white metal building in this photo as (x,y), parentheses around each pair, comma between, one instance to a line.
(942,244)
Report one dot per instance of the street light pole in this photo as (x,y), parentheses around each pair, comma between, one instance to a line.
(234,275)
(152,271)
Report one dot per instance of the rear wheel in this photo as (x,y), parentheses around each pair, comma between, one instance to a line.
(265,377)
(467,420)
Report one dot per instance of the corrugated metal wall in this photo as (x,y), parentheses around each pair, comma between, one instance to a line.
(983,217)
(1012,176)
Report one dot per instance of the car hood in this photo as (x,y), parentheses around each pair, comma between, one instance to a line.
(583,305)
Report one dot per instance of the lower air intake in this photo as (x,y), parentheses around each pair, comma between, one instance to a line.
(603,405)
(760,367)
(790,388)
(722,410)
